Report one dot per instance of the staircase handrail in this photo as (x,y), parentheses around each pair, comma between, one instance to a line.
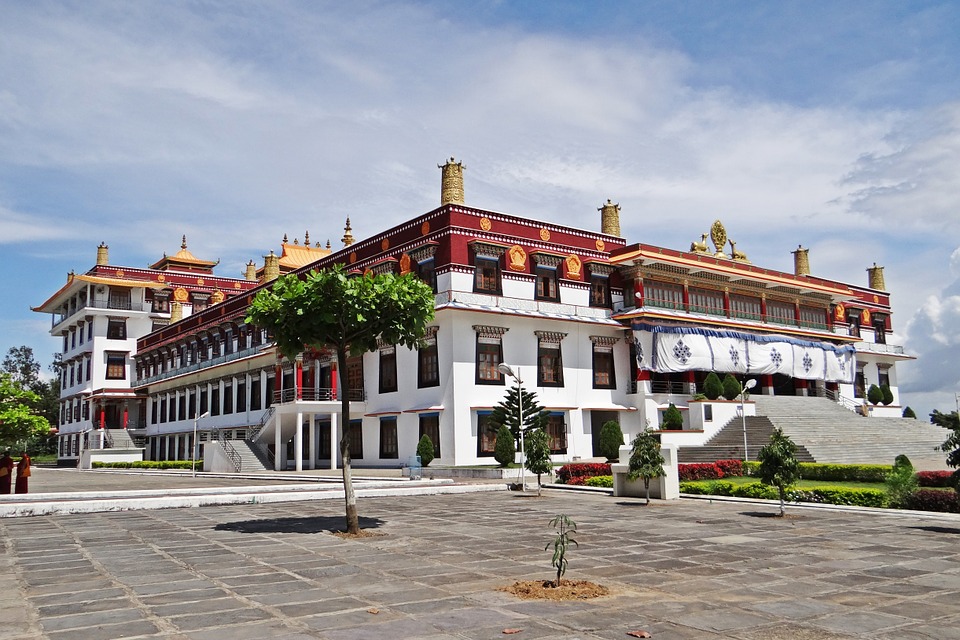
(254,433)
(107,439)
(230,450)
(843,401)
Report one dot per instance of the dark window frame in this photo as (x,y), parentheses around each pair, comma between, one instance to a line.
(428,365)
(484,371)
(547,286)
(549,366)
(431,429)
(116,363)
(389,443)
(604,353)
(388,370)
(487,276)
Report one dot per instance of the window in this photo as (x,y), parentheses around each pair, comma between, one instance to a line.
(241,396)
(706,301)
(746,307)
(663,294)
(879,329)
(80,333)
(192,404)
(549,359)
(427,273)
(163,409)
(355,376)
(117,330)
(489,354)
(181,406)
(73,338)
(428,363)
(486,277)
(860,385)
(812,317)
(215,399)
(486,435)
(557,433)
(854,320)
(203,401)
(79,372)
(161,303)
(603,371)
(116,367)
(780,312)
(86,410)
(355,446)
(599,291)
(119,299)
(89,363)
(547,284)
(430,427)
(90,332)
(255,394)
(388,370)
(883,376)
(72,375)
(388,437)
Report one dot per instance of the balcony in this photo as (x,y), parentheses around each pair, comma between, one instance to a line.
(203,364)
(697,309)
(876,347)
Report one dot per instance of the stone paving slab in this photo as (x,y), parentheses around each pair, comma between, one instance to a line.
(683,569)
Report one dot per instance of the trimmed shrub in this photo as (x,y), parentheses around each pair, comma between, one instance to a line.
(672,419)
(730,467)
(148,464)
(425,450)
(942,479)
(700,471)
(505,447)
(842,495)
(933,500)
(731,387)
(844,472)
(610,440)
(901,482)
(600,481)
(902,461)
(886,395)
(909,413)
(874,395)
(712,387)
(583,470)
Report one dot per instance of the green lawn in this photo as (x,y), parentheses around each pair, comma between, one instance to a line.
(803,484)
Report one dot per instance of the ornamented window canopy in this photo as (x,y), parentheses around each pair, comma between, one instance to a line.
(488,249)
(489,331)
(544,259)
(424,251)
(551,337)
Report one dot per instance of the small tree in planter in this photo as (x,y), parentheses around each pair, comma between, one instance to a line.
(712,387)
(672,419)
(778,465)
(611,437)
(537,458)
(646,461)
(505,447)
(874,395)
(507,412)
(731,387)
(886,395)
(425,450)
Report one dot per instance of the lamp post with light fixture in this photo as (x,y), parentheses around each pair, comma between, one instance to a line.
(196,445)
(507,370)
(749,384)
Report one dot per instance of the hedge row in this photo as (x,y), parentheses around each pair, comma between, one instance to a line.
(824,495)
(582,470)
(600,481)
(834,472)
(710,470)
(934,500)
(148,464)
(935,478)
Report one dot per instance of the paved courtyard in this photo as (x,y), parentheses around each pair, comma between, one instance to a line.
(685,569)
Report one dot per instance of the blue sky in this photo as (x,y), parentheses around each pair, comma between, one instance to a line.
(834,125)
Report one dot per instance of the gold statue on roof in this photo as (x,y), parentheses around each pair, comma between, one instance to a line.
(718,235)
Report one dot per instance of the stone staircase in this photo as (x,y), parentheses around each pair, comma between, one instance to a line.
(829,433)
(252,459)
(727,444)
(121,439)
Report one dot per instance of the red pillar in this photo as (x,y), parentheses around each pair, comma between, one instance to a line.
(299,381)
(333,380)
(638,292)
(766,384)
(103,416)
(126,417)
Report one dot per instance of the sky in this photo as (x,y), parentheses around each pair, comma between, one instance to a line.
(835,125)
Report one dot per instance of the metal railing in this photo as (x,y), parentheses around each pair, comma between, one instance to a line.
(324,394)
(203,364)
(254,433)
(739,315)
(678,388)
(230,450)
(107,439)
(844,401)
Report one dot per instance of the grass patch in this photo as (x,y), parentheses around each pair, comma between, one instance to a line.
(803,484)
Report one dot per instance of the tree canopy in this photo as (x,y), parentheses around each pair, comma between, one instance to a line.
(507,413)
(333,309)
(19,420)
(778,464)
(646,461)
(951,445)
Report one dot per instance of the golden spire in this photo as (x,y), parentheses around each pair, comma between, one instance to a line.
(251,273)
(284,238)
(451,182)
(876,277)
(306,238)
(328,243)
(801,261)
(271,267)
(610,218)
(103,254)
(347,238)
(183,243)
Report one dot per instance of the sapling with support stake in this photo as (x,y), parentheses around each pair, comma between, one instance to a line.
(565,527)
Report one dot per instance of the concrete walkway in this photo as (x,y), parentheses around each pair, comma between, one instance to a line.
(683,569)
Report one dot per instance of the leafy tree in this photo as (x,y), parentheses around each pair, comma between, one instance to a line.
(901,482)
(610,440)
(25,372)
(909,413)
(672,418)
(951,445)
(712,387)
(886,395)
(646,461)
(425,450)
(874,395)
(507,412)
(731,387)
(328,308)
(565,529)
(537,458)
(19,421)
(505,447)
(778,465)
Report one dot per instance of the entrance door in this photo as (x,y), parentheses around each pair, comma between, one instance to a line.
(783,385)
(597,419)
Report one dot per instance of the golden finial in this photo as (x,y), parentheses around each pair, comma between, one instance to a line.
(347,238)
(451,182)
(328,243)
(271,267)
(284,238)
(103,254)
(876,277)
(251,273)
(306,238)
(801,261)
(183,242)
(296,241)
(718,235)
(610,218)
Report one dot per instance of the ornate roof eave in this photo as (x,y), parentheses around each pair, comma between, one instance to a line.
(51,304)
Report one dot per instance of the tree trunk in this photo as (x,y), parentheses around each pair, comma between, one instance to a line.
(782,495)
(646,485)
(539,486)
(353,520)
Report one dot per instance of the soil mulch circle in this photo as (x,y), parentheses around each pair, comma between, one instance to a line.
(362,534)
(568,590)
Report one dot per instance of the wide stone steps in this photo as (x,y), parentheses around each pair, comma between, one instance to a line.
(727,444)
(251,459)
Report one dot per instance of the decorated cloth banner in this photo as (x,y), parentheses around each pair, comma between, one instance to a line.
(668,349)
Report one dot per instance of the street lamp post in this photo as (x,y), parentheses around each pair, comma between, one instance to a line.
(749,384)
(195,448)
(509,371)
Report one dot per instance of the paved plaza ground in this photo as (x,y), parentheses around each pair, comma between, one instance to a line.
(681,569)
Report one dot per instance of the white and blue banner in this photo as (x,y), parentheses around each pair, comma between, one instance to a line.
(671,349)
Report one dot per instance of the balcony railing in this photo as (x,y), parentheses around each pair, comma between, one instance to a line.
(203,364)
(283,396)
(739,315)
(878,347)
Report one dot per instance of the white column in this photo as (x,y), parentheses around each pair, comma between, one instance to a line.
(312,431)
(278,454)
(298,442)
(334,424)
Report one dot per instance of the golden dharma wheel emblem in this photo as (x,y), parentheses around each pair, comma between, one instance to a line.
(353,257)
(161,278)
(199,282)
(119,273)
(217,297)
(425,228)
(718,234)
(485,223)
(574,266)
(180,294)
(600,245)
(544,234)
(236,285)
(876,298)
(384,244)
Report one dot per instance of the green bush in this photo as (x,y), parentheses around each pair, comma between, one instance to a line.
(874,395)
(505,447)
(712,387)
(611,439)
(148,464)
(902,461)
(822,495)
(600,481)
(887,395)
(425,450)
(909,413)
(731,387)
(672,419)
